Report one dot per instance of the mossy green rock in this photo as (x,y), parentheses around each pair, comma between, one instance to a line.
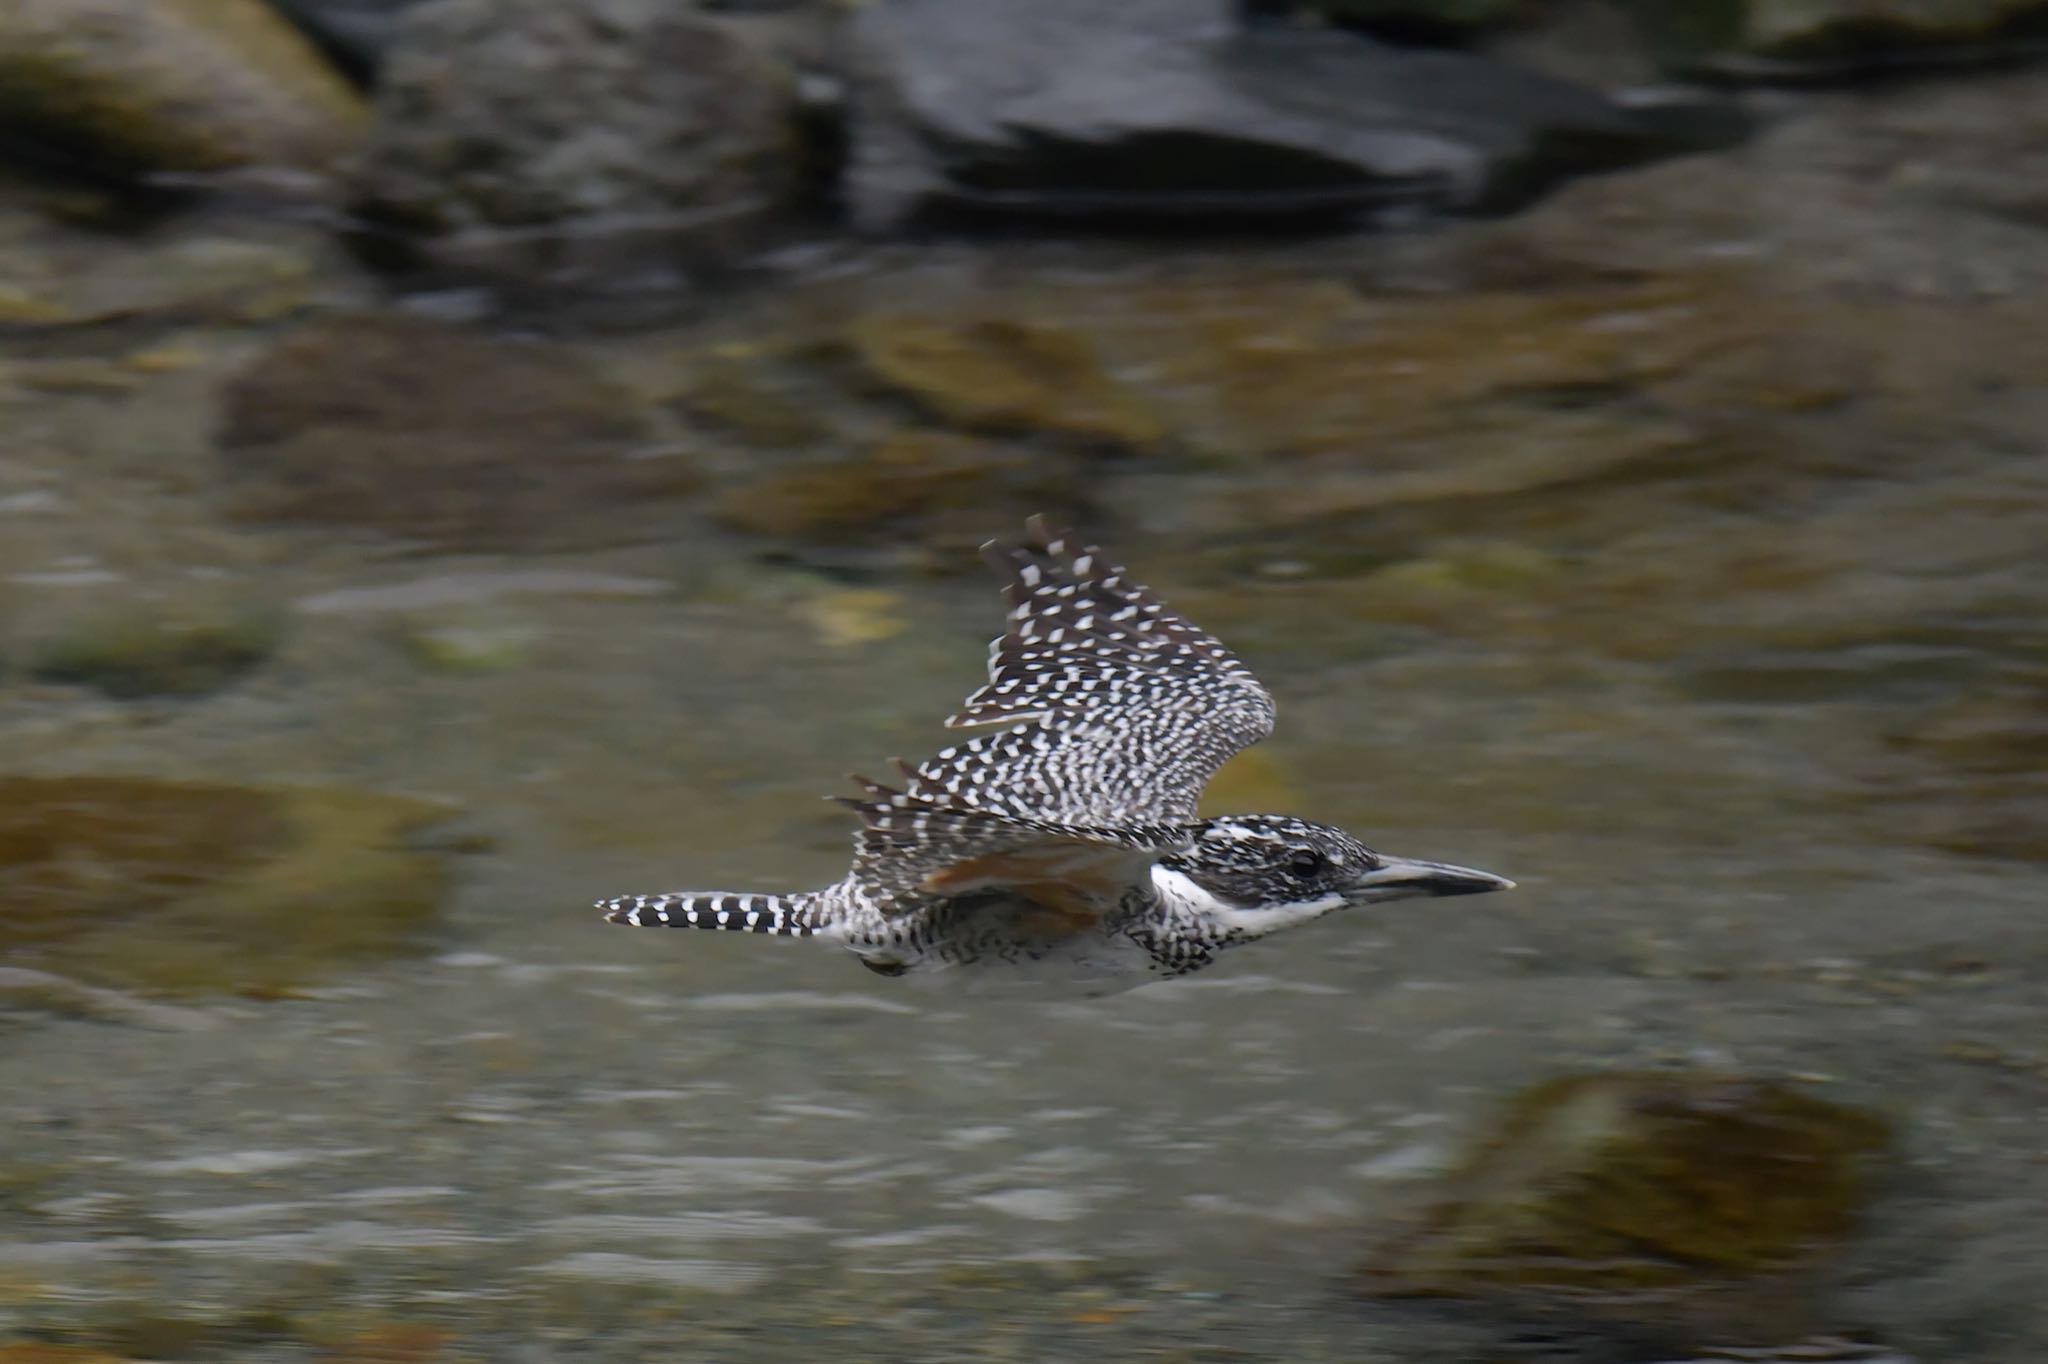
(194,886)
(1642,1181)
(1791,37)
(172,85)
(136,652)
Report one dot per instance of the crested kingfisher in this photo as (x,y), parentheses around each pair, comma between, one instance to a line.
(1061,850)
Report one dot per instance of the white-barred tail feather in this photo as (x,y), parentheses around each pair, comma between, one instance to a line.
(793,915)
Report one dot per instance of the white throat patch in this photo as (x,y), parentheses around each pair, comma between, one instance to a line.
(1179,889)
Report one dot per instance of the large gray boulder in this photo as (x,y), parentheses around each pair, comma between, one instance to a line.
(1171,107)
(549,137)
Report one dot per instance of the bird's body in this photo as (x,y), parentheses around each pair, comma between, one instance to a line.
(1061,853)
(1010,941)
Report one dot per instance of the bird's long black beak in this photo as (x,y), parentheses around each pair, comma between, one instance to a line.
(1397,878)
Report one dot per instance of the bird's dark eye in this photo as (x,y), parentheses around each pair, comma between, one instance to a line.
(1305,862)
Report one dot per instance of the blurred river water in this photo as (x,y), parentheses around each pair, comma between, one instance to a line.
(1675,548)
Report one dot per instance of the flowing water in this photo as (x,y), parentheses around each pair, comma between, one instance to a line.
(1750,728)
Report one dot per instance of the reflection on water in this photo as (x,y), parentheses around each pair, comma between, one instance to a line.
(1705,603)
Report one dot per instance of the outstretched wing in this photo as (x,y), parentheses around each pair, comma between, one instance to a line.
(911,849)
(1119,710)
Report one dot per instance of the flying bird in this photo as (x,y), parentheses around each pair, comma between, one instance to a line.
(1060,850)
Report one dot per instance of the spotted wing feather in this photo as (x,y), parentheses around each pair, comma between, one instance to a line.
(1119,710)
(911,849)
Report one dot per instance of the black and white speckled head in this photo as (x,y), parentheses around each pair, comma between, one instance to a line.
(1262,873)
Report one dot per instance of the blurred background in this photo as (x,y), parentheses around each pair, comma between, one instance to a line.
(459,459)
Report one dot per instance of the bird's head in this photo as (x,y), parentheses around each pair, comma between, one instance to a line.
(1266,872)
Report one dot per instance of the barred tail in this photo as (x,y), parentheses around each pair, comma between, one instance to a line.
(796,915)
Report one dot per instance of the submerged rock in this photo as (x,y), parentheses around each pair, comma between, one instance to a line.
(1375,400)
(544,138)
(847,618)
(427,432)
(762,397)
(1643,1186)
(480,640)
(192,886)
(140,86)
(946,484)
(176,650)
(1170,108)
(995,373)
(40,991)
(49,1352)
(1970,775)
(1792,38)
(197,279)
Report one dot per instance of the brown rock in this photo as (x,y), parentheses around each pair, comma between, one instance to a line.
(992,373)
(532,136)
(173,85)
(1648,1186)
(431,433)
(924,476)
(1971,775)
(180,648)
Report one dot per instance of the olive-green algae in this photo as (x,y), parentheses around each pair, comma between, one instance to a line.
(189,886)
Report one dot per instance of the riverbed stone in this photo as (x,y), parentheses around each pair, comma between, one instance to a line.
(478,642)
(431,433)
(176,887)
(763,396)
(1970,774)
(1644,1185)
(1174,108)
(46,286)
(56,1352)
(1003,374)
(181,648)
(537,136)
(141,86)
(934,486)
